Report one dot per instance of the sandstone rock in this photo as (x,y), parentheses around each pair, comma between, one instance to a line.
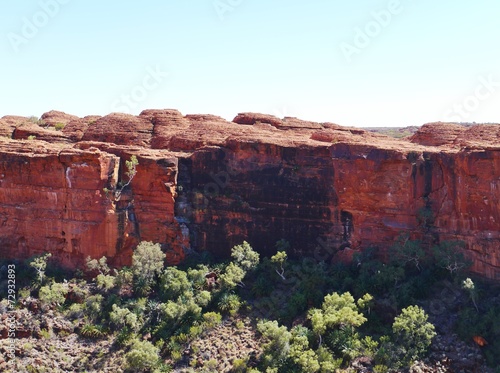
(53,117)
(437,134)
(480,137)
(122,129)
(9,123)
(166,123)
(295,123)
(27,129)
(252,118)
(76,128)
(205,183)
(52,201)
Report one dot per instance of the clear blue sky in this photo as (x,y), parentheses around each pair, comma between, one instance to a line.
(431,60)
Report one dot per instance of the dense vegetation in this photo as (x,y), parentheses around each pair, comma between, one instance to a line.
(312,316)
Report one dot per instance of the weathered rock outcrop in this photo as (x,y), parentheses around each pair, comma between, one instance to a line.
(53,199)
(205,183)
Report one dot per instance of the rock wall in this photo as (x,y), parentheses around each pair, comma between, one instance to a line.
(53,199)
(204,183)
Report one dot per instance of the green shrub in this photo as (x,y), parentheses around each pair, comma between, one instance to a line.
(124,337)
(59,126)
(413,332)
(46,334)
(121,317)
(240,365)
(143,356)
(94,306)
(380,369)
(78,292)
(174,283)
(263,286)
(23,293)
(100,265)
(336,311)
(75,311)
(229,303)
(125,280)
(212,319)
(92,331)
(142,287)
(203,298)
(245,256)
(232,276)
(195,331)
(53,294)
(147,261)
(277,344)
(105,282)
(211,365)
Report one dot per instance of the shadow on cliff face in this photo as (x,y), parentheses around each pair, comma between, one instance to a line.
(226,197)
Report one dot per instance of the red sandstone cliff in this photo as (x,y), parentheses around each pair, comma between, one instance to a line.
(207,184)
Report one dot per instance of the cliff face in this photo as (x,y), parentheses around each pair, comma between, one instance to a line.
(207,184)
(52,199)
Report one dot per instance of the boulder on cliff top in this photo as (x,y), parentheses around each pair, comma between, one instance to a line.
(166,123)
(437,134)
(54,117)
(9,123)
(285,123)
(27,129)
(252,118)
(122,129)
(480,136)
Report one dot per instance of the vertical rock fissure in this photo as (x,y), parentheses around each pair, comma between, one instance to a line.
(183,208)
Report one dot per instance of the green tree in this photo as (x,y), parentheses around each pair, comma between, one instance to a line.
(300,352)
(245,256)
(365,302)
(100,265)
(449,255)
(173,283)
(279,259)
(277,346)
(469,286)
(336,310)
(131,172)
(39,264)
(147,261)
(233,276)
(413,332)
(406,251)
(93,306)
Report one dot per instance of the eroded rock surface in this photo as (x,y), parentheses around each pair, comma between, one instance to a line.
(205,183)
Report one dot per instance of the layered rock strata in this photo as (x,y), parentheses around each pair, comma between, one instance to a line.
(204,183)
